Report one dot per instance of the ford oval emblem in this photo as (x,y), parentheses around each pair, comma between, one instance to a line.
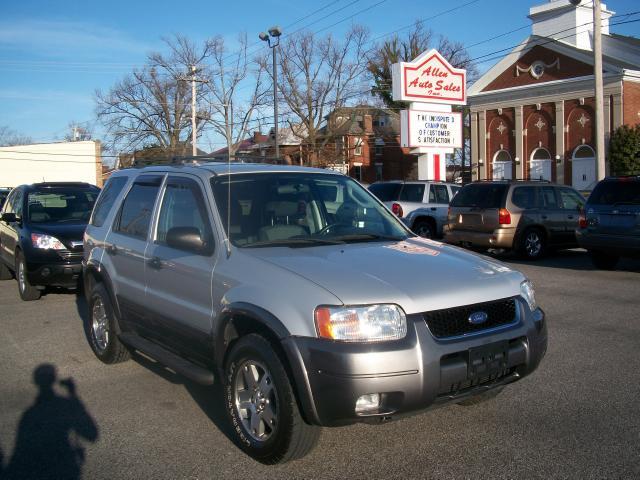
(477,318)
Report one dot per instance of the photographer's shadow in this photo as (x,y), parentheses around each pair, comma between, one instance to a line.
(49,438)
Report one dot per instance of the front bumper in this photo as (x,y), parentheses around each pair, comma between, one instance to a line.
(499,238)
(413,374)
(65,274)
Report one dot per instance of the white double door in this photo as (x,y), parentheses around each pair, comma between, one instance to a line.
(540,170)
(583,172)
(502,170)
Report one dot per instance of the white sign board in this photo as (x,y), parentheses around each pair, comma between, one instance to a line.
(421,128)
(429,78)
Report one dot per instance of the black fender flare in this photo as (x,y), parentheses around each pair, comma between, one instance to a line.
(270,322)
(94,269)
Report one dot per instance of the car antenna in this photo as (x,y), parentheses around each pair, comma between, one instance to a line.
(228,241)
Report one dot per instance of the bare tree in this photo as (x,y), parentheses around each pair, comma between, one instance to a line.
(318,74)
(230,108)
(152,106)
(9,137)
(406,49)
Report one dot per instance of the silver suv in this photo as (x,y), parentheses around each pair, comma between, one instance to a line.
(303,295)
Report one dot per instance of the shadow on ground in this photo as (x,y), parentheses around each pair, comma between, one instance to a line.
(51,432)
(576,259)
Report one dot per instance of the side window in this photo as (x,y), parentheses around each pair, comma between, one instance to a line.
(8,206)
(438,194)
(524,197)
(106,200)
(454,191)
(137,208)
(571,200)
(549,197)
(412,192)
(16,205)
(183,206)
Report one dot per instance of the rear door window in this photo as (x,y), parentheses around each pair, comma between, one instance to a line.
(386,192)
(524,197)
(549,197)
(412,192)
(438,194)
(137,208)
(481,195)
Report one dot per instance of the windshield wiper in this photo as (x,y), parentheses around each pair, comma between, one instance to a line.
(364,237)
(293,243)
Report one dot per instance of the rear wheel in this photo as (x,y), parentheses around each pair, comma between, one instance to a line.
(532,244)
(27,291)
(101,328)
(604,261)
(424,228)
(261,404)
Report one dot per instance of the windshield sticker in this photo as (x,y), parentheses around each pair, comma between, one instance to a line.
(406,247)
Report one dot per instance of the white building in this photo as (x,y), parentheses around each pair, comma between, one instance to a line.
(51,162)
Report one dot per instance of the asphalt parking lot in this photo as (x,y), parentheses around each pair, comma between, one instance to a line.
(576,417)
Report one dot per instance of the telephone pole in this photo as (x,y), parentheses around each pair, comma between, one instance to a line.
(597,67)
(194,127)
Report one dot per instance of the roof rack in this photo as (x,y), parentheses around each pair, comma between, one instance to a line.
(61,184)
(532,180)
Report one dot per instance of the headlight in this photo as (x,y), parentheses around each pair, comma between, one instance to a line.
(46,242)
(369,323)
(529,294)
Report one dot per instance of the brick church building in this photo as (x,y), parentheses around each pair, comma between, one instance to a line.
(532,114)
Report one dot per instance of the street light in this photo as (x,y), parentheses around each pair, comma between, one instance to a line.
(274,33)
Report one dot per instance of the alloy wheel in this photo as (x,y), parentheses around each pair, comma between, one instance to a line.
(21,278)
(255,400)
(100,325)
(533,244)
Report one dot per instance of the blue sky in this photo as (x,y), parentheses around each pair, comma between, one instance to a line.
(55,54)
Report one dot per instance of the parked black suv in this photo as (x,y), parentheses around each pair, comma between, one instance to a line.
(41,230)
(609,226)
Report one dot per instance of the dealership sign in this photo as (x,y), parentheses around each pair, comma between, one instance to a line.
(420,128)
(429,78)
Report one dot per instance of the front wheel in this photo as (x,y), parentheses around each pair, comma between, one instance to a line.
(27,291)
(424,228)
(101,328)
(261,404)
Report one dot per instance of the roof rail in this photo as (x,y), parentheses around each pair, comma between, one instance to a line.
(532,180)
(61,184)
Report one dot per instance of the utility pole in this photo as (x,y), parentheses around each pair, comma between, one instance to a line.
(597,67)
(194,127)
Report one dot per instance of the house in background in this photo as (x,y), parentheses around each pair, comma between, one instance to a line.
(364,142)
(532,114)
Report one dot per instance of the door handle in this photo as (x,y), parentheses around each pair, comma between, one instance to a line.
(111,249)
(433,209)
(155,263)
(570,217)
(544,217)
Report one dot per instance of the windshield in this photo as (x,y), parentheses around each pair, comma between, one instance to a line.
(483,195)
(301,209)
(616,192)
(61,205)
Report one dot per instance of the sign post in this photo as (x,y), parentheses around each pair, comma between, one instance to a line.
(431,86)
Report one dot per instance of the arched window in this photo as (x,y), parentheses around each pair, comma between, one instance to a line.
(540,154)
(584,151)
(502,156)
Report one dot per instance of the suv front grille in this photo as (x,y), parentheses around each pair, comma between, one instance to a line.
(71,256)
(453,322)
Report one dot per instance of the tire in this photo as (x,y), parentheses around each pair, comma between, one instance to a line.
(5,273)
(532,244)
(255,377)
(424,228)
(604,261)
(483,397)
(101,328)
(27,291)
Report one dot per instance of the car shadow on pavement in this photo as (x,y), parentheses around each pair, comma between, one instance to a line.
(51,432)
(575,259)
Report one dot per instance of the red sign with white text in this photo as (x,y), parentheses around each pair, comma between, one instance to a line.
(429,79)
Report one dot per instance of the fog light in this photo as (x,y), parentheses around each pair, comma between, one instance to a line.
(45,272)
(368,403)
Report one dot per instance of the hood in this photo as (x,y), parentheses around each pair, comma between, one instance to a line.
(417,274)
(65,232)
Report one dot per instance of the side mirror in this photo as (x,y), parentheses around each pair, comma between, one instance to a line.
(9,217)
(187,238)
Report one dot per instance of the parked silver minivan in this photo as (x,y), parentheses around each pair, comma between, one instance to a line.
(303,295)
